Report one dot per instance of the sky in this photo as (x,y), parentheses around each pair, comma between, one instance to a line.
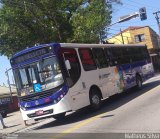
(4,65)
(128,7)
(131,6)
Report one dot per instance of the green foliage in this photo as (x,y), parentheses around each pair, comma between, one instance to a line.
(89,22)
(27,22)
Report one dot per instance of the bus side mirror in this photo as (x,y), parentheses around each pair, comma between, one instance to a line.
(68,65)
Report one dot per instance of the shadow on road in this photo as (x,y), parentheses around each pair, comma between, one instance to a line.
(109,104)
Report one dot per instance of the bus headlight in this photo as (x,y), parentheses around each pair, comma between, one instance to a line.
(55,101)
(59,97)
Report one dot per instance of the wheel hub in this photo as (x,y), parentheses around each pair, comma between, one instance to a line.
(95,99)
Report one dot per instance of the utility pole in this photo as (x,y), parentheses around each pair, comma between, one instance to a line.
(122,36)
(8,81)
(157,18)
(158,23)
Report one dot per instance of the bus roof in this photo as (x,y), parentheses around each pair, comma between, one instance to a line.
(73,45)
(79,45)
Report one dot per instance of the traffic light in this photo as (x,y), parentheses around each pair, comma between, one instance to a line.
(142,13)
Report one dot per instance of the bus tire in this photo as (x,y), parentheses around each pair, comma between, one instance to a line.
(59,116)
(4,115)
(138,82)
(95,99)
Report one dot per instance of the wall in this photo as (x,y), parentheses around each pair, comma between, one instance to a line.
(117,39)
(14,105)
(151,38)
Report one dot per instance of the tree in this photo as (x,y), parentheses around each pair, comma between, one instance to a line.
(90,21)
(27,22)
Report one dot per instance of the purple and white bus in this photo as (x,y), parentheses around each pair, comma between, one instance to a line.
(56,78)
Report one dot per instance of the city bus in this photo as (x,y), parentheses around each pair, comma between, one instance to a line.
(56,78)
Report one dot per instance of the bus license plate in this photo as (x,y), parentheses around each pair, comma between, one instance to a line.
(40,112)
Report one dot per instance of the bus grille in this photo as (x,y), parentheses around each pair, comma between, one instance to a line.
(36,96)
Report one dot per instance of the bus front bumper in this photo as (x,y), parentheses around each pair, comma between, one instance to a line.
(46,111)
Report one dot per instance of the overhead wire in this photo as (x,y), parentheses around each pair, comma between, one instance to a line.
(139,3)
(136,4)
(127,37)
(147,37)
(123,32)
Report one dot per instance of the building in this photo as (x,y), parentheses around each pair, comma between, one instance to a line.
(4,90)
(141,35)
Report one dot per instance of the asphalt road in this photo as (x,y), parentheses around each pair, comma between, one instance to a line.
(134,111)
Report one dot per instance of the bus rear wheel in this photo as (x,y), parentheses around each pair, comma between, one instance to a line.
(95,99)
(138,82)
(59,116)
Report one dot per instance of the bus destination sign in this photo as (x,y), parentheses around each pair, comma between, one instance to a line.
(30,55)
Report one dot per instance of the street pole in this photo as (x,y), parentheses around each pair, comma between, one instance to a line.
(8,81)
(157,18)
(158,23)
(122,36)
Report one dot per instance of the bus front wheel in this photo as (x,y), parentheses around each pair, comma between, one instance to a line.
(95,99)
(59,116)
(4,115)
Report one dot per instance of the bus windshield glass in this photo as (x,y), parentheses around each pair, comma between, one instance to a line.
(44,75)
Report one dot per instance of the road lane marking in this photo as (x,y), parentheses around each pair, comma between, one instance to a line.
(63,133)
(83,123)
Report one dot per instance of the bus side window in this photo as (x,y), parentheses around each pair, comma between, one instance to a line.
(87,59)
(109,55)
(75,71)
(100,57)
(118,55)
(136,54)
(126,58)
(146,55)
(113,57)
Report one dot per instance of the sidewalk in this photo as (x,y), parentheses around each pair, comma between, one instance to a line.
(14,122)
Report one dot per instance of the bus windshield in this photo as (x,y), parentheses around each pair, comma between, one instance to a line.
(46,73)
